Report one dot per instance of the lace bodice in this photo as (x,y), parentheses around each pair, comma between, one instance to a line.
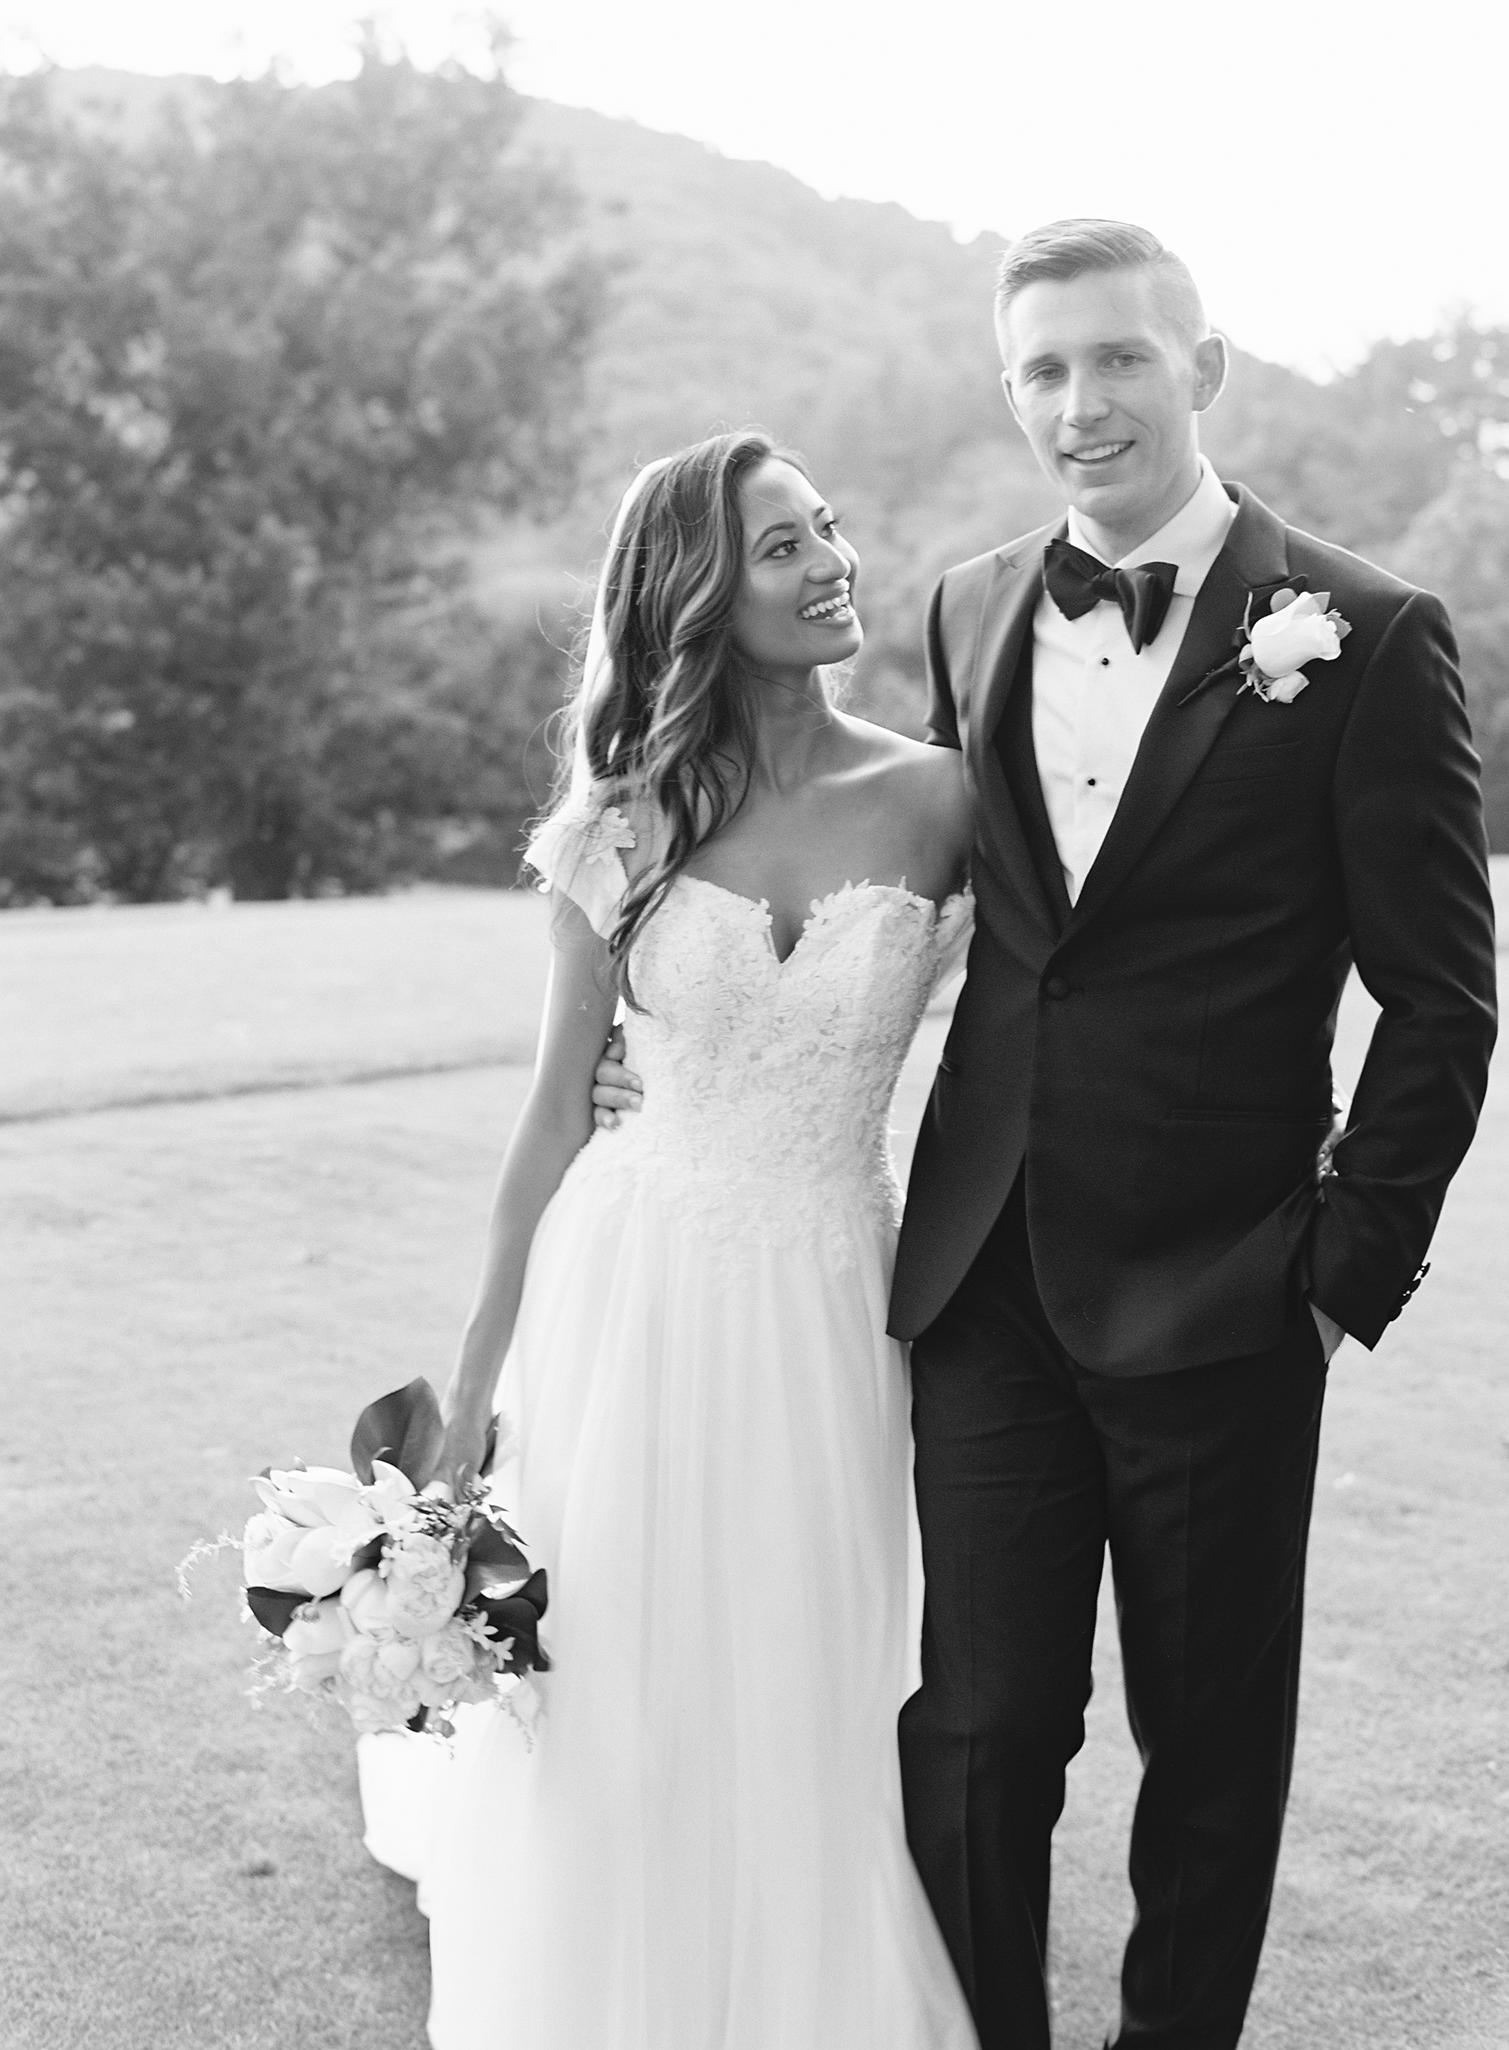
(767,1083)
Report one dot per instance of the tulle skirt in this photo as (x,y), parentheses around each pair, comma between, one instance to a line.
(701,1847)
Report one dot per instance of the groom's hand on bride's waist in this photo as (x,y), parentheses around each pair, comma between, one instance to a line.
(614,1088)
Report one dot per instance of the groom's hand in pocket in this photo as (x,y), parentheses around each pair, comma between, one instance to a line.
(614,1089)
(1331,1333)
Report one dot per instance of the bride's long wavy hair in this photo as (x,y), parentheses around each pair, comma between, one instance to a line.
(666,713)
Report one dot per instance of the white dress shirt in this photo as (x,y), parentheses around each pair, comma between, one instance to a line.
(1092,696)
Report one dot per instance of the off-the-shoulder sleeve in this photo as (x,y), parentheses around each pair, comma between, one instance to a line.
(577,851)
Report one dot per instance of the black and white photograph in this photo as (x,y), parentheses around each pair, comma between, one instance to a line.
(754,802)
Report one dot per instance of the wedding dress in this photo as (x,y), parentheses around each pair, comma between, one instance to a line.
(702,1847)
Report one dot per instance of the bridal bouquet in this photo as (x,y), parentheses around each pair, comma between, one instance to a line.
(388,1594)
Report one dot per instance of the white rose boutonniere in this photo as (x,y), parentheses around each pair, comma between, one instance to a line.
(1303,630)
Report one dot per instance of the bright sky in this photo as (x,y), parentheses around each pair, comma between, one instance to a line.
(1332,171)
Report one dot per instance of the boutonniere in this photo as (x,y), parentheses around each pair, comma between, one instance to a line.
(1259,647)
(1301,631)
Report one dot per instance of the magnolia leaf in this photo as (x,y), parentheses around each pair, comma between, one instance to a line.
(273,1608)
(515,1619)
(494,1547)
(405,1428)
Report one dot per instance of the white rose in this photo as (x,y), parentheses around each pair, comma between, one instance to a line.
(319,1628)
(315,1640)
(453,1667)
(397,1662)
(359,1663)
(1302,631)
(425,1585)
(267,1545)
(450,1654)
(1283,690)
(383,1668)
(366,1600)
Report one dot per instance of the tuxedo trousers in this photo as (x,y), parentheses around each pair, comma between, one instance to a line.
(1199,1483)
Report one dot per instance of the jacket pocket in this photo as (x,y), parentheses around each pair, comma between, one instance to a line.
(1319,1119)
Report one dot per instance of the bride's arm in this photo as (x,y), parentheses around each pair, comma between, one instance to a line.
(554,1125)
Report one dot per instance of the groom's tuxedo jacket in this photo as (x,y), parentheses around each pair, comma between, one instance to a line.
(1157,1055)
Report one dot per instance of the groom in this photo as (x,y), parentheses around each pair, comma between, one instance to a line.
(1122,1273)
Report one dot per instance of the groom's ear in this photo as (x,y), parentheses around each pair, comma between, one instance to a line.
(1210,370)
(1011,402)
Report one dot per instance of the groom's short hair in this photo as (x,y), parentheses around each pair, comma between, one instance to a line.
(1067,249)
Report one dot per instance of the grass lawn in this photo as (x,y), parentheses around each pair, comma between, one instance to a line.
(158,1001)
(194,1287)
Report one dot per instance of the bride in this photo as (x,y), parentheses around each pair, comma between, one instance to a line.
(702,1848)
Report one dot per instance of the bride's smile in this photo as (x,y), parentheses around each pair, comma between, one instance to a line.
(795,608)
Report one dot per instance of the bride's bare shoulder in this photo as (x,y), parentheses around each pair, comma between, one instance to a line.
(919,773)
(921,791)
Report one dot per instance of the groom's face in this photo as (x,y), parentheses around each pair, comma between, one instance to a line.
(1106,386)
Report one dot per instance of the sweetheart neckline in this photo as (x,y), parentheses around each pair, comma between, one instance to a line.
(760,906)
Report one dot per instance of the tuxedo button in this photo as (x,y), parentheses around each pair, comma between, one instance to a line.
(1419,1277)
(1056,986)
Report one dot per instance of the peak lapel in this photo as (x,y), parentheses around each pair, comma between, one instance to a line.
(1007,629)
(1179,735)
(1006,637)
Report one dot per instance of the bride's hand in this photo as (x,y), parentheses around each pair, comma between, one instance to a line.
(464,1444)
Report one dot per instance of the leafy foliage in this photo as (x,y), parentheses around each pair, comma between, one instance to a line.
(1458,546)
(314,407)
(864,337)
(404,1428)
(514,1619)
(254,372)
(273,1608)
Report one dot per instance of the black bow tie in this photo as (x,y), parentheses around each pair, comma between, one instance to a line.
(1077,582)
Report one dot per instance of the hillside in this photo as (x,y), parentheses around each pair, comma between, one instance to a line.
(742,294)
(737,295)
(862,336)
(851,330)
(734,294)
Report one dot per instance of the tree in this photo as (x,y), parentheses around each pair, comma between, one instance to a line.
(253,374)
(1456,381)
(1357,458)
(1351,459)
(1458,547)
